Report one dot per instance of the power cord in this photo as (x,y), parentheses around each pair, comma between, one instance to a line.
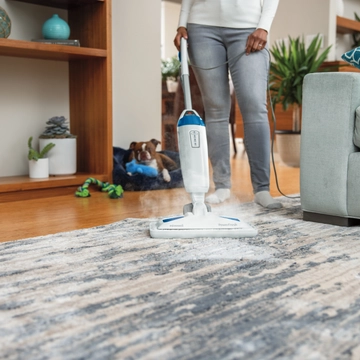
(236,58)
(272,146)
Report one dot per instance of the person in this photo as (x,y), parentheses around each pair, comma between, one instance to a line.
(218,32)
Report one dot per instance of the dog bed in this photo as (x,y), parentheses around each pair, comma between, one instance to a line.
(139,182)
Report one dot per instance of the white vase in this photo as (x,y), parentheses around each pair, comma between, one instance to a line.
(62,157)
(340,7)
(39,169)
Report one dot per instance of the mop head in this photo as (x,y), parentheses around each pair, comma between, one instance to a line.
(194,226)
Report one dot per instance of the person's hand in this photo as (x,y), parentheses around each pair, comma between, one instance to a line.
(181,33)
(256,41)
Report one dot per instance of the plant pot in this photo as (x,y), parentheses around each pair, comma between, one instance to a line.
(288,147)
(62,157)
(39,169)
(172,86)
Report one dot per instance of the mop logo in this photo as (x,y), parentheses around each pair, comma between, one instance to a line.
(194,138)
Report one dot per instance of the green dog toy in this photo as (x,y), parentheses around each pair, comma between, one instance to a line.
(115,191)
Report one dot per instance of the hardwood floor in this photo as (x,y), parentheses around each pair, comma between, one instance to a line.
(29,218)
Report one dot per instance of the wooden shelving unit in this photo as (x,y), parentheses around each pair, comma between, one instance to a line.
(346,26)
(61,4)
(90,83)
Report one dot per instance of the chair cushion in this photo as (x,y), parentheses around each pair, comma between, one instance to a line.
(356,138)
(140,182)
(352,57)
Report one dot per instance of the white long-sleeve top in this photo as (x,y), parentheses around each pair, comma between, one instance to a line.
(229,13)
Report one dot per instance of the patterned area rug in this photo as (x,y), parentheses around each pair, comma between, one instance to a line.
(112,292)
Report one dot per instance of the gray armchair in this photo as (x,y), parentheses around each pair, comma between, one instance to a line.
(329,160)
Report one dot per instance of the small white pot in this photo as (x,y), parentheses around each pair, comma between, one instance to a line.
(62,157)
(288,146)
(39,169)
(172,85)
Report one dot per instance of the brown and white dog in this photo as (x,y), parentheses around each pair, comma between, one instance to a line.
(144,152)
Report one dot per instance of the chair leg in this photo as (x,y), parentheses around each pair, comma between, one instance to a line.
(330,219)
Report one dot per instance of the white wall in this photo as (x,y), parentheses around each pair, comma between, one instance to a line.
(169,20)
(31,91)
(295,18)
(136,71)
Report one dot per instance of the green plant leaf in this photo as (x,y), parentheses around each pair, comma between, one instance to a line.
(170,68)
(46,149)
(290,64)
(35,155)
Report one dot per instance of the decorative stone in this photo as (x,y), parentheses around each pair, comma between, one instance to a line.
(5,24)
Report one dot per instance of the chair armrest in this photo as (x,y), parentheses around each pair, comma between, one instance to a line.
(328,116)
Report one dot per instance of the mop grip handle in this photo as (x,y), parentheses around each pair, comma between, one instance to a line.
(185,75)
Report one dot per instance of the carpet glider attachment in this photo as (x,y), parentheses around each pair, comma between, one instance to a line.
(195,226)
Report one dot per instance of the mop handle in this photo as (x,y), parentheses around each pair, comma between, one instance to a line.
(185,77)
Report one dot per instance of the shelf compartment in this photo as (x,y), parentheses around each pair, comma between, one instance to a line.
(35,50)
(347,26)
(90,83)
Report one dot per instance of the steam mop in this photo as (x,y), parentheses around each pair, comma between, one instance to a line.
(197,219)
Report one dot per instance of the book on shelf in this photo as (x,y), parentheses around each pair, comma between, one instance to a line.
(58,42)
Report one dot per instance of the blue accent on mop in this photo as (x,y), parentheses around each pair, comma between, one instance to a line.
(191,119)
(226,217)
(172,219)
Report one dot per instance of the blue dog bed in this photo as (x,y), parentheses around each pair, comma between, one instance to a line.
(139,182)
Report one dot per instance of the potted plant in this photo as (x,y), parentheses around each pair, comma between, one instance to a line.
(170,70)
(290,63)
(38,163)
(62,159)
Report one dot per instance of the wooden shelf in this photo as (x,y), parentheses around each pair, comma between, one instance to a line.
(61,4)
(34,50)
(340,66)
(347,26)
(20,183)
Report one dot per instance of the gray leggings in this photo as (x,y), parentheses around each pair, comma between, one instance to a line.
(210,46)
